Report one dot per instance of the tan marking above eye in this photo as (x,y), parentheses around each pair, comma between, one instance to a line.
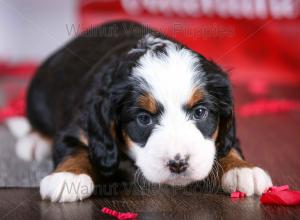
(197,96)
(148,103)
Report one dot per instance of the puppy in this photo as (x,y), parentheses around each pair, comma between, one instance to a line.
(122,91)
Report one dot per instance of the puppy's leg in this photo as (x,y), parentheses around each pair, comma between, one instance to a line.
(72,180)
(34,146)
(237,174)
(30,144)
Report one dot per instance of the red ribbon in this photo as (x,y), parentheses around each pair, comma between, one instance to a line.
(275,195)
(280,195)
(237,194)
(119,215)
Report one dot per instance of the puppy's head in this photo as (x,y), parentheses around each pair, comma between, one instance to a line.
(174,112)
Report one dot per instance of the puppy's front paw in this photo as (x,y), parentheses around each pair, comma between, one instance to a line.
(248,180)
(66,187)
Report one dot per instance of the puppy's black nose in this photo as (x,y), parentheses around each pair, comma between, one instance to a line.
(178,165)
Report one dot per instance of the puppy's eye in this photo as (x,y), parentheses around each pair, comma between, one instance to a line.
(144,119)
(200,113)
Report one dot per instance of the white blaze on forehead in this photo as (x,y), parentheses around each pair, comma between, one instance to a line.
(171,77)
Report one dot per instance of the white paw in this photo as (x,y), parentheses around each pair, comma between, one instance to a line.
(33,147)
(18,126)
(248,180)
(66,187)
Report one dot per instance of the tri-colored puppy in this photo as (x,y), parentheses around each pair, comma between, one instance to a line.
(122,91)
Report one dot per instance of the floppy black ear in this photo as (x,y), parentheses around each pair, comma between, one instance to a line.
(219,87)
(109,90)
(227,135)
(103,149)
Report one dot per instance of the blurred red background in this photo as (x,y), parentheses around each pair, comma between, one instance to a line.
(257,41)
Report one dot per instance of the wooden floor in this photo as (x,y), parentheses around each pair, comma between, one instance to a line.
(270,141)
(26,204)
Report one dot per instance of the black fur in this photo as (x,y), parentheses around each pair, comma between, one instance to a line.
(85,86)
(219,86)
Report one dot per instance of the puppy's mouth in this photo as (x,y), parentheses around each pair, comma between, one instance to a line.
(178,180)
(172,179)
